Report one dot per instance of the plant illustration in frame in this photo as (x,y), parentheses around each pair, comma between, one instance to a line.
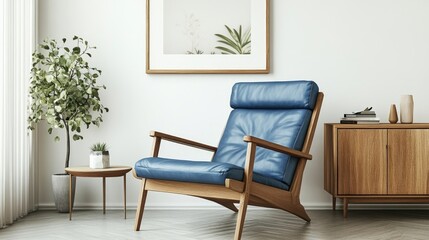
(237,43)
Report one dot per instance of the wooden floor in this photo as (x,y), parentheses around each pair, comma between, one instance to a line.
(219,224)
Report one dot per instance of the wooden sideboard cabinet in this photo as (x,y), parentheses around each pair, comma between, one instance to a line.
(377,163)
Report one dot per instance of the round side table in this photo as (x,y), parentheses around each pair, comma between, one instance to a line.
(114,171)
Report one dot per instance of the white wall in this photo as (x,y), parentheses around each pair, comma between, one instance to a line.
(361,53)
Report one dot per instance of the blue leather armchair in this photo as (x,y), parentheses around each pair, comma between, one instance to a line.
(277,117)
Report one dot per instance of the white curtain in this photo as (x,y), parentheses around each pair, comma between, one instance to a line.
(18,165)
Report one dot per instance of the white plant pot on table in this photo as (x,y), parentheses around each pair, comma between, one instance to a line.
(99,159)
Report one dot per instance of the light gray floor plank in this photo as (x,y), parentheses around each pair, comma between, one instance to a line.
(220,224)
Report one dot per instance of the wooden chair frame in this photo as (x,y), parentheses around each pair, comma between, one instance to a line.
(245,193)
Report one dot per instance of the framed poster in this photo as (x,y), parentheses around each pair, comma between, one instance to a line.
(207,36)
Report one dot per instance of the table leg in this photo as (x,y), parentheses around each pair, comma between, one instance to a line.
(125,196)
(104,195)
(70,197)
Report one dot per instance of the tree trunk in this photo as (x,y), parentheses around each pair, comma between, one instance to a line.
(66,126)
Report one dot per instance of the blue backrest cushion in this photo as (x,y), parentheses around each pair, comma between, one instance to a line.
(275,95)
(279,112)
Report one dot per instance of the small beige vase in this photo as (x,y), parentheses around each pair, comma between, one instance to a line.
(393,116)
(407,109)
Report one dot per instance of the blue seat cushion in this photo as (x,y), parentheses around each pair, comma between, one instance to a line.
(197,172)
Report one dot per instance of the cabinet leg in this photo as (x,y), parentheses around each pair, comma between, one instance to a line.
(334,203)
(345,207)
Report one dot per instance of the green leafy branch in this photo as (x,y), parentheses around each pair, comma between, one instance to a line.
(237,42)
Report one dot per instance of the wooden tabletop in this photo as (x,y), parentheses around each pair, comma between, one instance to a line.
(113,171)
(381,125)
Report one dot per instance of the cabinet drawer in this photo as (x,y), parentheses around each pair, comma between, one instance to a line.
(408,161)
(362,161)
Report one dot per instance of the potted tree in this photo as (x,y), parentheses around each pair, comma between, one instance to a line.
(64,92)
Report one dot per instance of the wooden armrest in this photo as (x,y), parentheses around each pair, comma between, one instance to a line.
(182,141)
(277,147)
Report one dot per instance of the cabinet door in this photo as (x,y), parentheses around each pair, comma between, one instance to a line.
(408,161)
(362,161)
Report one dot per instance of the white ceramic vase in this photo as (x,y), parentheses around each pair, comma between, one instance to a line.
(407,109)
(99,159)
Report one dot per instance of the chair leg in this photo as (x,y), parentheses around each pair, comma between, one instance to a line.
(296,209)
(244,200)
(299,211)
(140,206)
(226,203)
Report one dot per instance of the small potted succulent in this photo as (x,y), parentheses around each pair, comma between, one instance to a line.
(99,156)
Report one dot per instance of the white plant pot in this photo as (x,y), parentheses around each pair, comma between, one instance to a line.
(60,187)
(99,159)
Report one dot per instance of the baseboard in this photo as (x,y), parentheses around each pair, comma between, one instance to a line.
(49,207)
(372,206)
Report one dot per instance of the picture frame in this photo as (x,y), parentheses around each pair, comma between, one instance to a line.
(204,36)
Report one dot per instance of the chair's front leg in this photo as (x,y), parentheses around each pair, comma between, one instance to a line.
(140,206)
(244,198)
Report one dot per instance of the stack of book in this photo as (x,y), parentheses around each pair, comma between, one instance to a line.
(363,117)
